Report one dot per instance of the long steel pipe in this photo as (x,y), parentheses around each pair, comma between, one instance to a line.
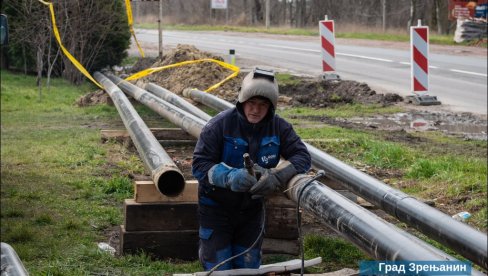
(173,99)
(166,176)
(188,122)
(207,99)
(459,236)
(360,226)
(372,234)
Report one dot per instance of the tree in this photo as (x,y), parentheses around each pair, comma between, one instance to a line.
(95,32)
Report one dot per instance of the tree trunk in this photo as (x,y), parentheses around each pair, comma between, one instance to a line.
(258,11)
(413,14)
(441,17)
(39,71)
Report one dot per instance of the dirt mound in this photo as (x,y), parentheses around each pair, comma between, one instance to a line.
(200,75)
(93,98)
(302,92)
(296,91)
(313,93)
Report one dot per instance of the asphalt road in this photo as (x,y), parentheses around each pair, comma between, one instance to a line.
(459,82)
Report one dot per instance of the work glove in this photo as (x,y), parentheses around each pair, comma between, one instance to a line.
(272,180)
(237,180)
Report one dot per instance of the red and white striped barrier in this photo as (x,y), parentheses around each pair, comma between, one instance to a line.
(419,58)
(327,38)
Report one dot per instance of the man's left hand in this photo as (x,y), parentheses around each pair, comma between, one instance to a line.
(275,179)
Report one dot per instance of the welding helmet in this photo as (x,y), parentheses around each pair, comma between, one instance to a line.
(259,82)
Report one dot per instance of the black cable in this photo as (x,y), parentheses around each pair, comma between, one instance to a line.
(319,174)
(263,221)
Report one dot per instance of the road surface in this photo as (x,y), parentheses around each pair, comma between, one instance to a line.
(458,80)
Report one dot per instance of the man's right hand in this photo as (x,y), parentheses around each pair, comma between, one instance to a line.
(237,180)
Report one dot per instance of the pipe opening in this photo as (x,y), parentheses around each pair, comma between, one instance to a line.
(171,183)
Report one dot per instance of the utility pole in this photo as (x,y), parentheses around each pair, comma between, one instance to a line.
(267,13)
(160,23)
(383,6)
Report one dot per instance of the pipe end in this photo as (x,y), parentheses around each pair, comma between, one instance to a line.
(169,182)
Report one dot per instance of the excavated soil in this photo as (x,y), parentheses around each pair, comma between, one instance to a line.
(303,91)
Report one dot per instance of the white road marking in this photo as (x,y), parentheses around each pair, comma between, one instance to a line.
(468,72)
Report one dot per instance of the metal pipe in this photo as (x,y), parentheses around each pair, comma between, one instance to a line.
(207,99)
(11,263)
(173,99)
(188,122)
(372,234)
(459,236)
(166,176)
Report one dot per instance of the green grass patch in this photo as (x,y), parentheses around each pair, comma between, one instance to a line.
(336,253)
(60,191)
(343,111)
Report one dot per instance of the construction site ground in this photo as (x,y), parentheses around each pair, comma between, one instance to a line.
(313,93)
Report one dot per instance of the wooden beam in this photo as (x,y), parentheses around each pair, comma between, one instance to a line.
(169,216)
(181,244)
(146,192)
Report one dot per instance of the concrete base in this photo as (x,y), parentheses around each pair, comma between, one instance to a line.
(330,77)
(422,100)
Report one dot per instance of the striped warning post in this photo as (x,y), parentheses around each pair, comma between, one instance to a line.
(419,54)
(328,45)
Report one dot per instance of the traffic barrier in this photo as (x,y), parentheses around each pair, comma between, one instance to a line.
(419,54)
(328,45)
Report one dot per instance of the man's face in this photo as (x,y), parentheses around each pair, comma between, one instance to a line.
(255,109)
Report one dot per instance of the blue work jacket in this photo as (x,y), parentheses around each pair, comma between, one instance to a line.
(227,136)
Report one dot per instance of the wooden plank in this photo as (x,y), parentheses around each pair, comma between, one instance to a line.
(146,192)
(280,246)
(181,244)
(160,216)
(159,133)
(281,223)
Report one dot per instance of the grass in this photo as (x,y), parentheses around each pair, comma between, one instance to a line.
(62,189)
(345,111)
(346,32)
(430,170)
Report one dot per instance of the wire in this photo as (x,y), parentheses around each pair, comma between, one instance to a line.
(263,222)
(319,174)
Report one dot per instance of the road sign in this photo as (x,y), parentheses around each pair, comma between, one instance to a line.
(219,4)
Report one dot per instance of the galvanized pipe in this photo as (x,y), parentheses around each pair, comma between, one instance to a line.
(464,239)
(165,174)
(207,99)
(173,99)
(11,263)
(188,122)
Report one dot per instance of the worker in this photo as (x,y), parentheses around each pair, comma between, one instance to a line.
(230,198)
